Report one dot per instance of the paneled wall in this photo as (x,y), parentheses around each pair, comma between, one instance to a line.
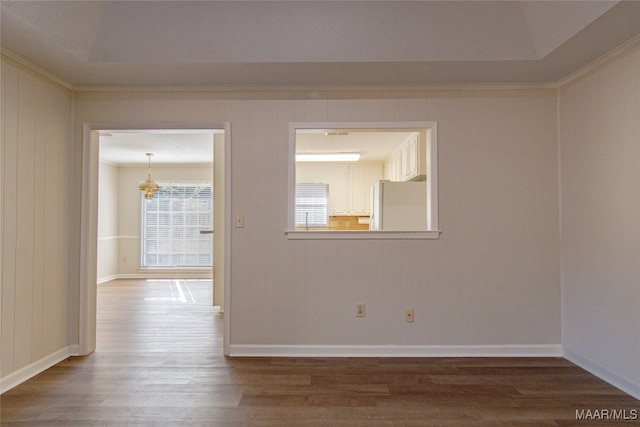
(36,122)
(492,279)
(600,152)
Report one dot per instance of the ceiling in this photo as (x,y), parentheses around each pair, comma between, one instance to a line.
(374,145)
(128,148)
(194,44)
(313,43)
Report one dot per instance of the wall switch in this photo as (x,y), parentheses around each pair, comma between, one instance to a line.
(124,259)
(360,310)
(239,221)
(408,315)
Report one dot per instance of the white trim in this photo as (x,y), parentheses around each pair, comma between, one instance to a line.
(160,275)
(361,235)
(157,165)
(332,88)
(432,180)
(603,60)
(88,240)
(89,215)
(226,307)
(118,237)
(603,373)
(534,350)
(23,374)
(106,279)
(168,275)
(277,87)
(36,69)
(431,157)
(321,87)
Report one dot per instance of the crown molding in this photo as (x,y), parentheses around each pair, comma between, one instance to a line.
(601,61)
(321,88)
(33,68)
(399,88)
(403,88)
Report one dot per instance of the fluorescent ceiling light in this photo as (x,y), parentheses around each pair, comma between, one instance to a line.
(327,157)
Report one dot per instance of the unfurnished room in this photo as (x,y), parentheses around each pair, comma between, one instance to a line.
(320,213)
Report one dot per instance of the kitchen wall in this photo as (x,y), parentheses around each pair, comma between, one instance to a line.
(119,214)
(600,158)
(36,185)
(491,280)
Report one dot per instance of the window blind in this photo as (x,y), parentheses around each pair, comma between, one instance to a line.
(312,205)
(170,227)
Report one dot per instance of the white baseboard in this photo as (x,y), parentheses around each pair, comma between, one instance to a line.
(23,374)
(240,350)
(157,275)
(107,279)
(603,373)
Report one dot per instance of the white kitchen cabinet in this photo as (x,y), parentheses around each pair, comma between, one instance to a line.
(393,166)
(413,155)
(406,163)
(339,190)
(349,191)
(349,184)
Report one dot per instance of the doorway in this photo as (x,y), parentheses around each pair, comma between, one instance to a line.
(190,160)
(167,232)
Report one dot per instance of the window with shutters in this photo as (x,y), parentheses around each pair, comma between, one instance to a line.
(171,225)
(312,205)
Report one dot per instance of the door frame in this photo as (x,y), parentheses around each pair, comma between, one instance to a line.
(89,221)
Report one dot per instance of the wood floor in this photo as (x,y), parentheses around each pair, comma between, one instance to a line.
(159,363)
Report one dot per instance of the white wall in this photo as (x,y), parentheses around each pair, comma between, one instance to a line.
(36,122)
(108,238)
(600,152)
(492,279)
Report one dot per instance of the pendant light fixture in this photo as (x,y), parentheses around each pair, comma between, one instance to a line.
(148,186)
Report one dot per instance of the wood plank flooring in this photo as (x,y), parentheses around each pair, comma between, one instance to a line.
(159,363)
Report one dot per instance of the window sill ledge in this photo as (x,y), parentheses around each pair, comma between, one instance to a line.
(362,235)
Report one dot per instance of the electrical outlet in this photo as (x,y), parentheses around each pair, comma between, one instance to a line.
(408,315)
(360,310)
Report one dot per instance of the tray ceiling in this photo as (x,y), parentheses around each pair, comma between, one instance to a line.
(280,43)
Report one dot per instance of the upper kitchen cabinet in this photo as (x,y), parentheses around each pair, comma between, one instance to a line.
(350,189)
(406,162)
(349,184)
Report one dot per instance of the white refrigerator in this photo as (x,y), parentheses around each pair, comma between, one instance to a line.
(398,206)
